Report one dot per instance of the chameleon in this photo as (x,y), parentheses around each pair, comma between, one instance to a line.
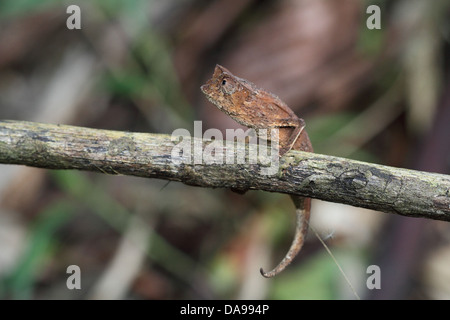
(256,108)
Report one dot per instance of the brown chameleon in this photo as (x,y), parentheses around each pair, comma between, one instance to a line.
(259,109)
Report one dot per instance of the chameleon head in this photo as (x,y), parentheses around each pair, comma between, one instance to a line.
(221,87)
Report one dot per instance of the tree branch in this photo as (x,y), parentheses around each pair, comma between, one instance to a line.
(388,189)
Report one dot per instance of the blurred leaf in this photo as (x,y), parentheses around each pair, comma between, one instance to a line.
(156,54)
(19,284)
(134,12)
(223,276)
(125,83)
(323,133)
(371,42)
(14,8)
(310,281)
(322,127)
(281,220)
(116,215)
(78,186)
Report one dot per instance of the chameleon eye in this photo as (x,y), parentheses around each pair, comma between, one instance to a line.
(228,86)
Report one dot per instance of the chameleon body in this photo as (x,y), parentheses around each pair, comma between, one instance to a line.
(259,109)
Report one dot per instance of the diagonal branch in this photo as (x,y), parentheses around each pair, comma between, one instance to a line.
(402,191)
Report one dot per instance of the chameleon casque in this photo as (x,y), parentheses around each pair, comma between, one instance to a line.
(259,109)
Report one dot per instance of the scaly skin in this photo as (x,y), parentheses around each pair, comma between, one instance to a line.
(259,109)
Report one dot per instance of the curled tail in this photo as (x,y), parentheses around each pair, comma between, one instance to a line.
(302,211)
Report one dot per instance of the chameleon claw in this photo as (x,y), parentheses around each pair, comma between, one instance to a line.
(302,215)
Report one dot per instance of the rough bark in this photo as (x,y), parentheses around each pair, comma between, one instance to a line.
(402,191)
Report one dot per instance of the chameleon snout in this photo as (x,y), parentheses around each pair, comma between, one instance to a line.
(206,88)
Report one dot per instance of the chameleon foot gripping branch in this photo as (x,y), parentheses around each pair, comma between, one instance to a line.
(259,109)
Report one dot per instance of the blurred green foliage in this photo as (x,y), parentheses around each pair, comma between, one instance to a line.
(19,284)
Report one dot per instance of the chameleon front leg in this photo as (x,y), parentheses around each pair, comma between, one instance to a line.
(293,137)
